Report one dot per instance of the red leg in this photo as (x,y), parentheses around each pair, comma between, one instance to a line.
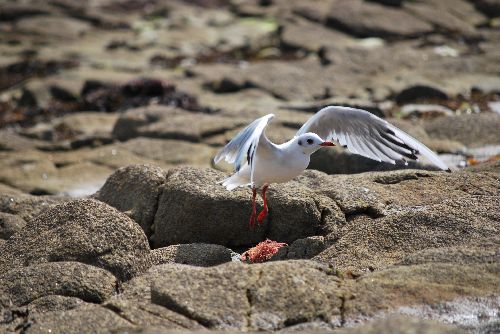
(254,208)
(263,213)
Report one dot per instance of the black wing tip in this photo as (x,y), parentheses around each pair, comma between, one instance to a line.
(448,170)
(409,156)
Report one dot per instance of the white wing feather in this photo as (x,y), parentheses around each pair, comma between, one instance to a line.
(368,135)
(244,145)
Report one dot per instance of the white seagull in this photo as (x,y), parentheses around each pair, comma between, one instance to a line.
(259,162)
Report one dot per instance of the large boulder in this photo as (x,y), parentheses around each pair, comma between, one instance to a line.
(194,208)
(87,231)
(251,297)
(71,279)
(390,215)
(134,190)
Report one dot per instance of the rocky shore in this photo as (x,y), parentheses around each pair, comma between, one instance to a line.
(111,218)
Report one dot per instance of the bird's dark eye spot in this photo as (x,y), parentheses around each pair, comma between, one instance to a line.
(310,141)
(300,142)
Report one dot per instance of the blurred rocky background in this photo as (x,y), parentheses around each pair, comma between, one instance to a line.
(128,101)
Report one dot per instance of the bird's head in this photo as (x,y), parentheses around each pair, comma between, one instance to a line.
(310,142)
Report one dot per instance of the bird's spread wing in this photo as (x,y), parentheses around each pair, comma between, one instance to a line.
(368,135)
(244,145)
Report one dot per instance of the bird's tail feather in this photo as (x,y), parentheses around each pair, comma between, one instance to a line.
(234,181)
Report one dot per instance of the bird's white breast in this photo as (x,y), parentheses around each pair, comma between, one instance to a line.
(278,165)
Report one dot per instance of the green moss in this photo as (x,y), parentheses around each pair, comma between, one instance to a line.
(263,24)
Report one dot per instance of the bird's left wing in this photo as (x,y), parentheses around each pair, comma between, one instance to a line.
(244,145)
(368,135)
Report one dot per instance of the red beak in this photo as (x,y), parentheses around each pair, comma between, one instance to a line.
(327,143)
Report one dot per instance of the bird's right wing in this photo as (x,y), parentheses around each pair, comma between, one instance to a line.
(365,134)
(244,145)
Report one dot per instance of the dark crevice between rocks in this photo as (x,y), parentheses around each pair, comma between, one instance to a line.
(342,310)
(8,316)
(250,299)
(324,213)
(295,321)
(118,311)
(25,325)
(156,205)
(274,94)
(227,85)
(118,287)
(40,192)
(179,323)
(389,37)
(298,51)
(343,294)
(152,227)
(173,306)
(91,142)
(101,163)
(60,165)
(248,294)
(369,211)
(217,132)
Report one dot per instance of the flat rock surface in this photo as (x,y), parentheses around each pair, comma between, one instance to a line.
(170,123)
(367,19)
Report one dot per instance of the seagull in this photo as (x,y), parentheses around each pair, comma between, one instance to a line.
(258,162)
